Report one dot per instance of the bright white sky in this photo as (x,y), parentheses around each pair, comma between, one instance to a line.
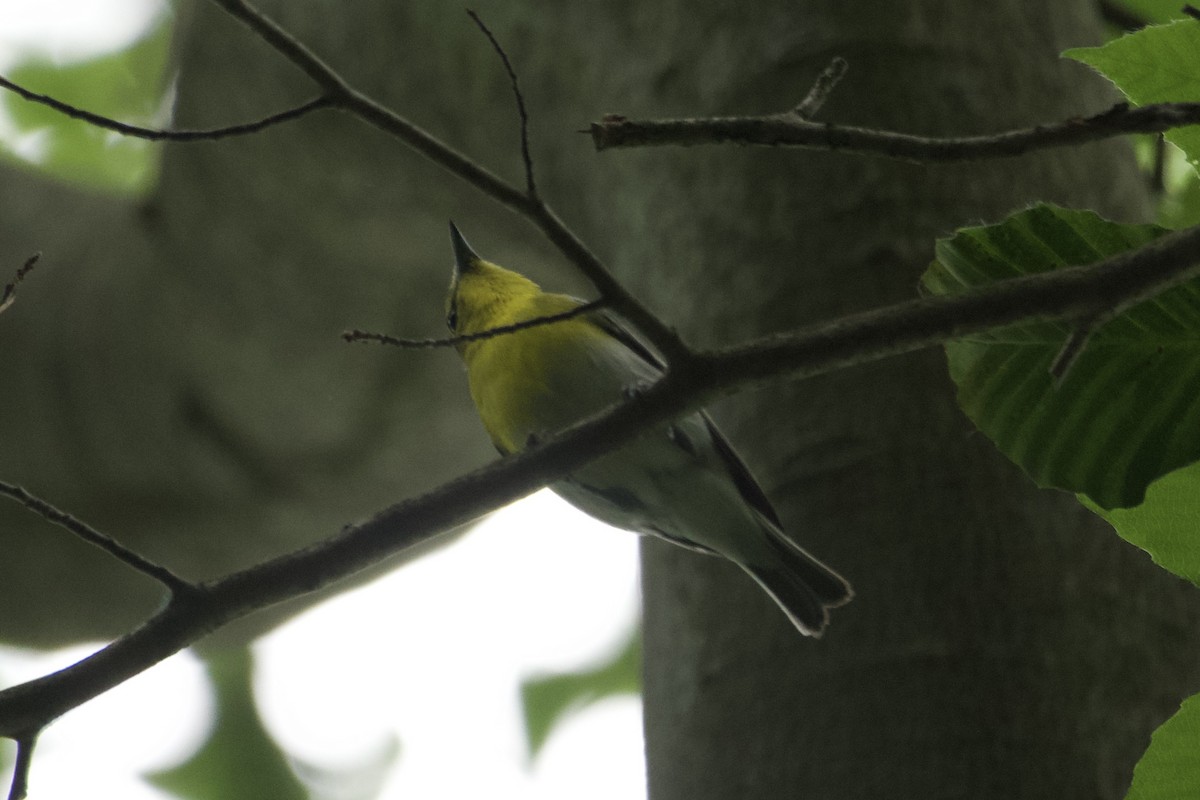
(431,655)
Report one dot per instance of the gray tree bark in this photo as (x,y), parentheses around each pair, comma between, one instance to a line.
(1004,643)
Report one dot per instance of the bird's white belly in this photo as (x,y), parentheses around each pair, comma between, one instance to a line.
(653,485)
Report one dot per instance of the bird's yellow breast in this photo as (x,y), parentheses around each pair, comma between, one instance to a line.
(538,381)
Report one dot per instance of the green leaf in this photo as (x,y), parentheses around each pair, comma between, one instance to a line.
(1170,769)
(1127,412)
(548,699)
(1167,524)
(239,761)
(128,86)
(1159,64)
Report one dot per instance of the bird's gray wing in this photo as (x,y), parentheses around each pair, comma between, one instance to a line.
(737,470)
(747,486)
(615,327)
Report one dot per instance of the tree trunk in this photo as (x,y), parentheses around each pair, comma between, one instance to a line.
(1004,642)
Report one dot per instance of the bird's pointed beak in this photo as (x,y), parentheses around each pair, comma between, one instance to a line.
(464,256)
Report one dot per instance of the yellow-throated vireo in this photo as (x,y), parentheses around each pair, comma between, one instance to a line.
(683,483)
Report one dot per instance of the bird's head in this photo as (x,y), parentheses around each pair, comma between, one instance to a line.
(481,293)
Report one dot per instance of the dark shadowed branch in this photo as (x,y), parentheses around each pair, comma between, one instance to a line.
(166,577)
(162,134)
(19,788)
(789,130)
(1073,293)
(528,205)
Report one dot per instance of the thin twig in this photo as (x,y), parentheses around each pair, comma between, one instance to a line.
(10,289)
(371,112)
(19,788)
(158,134)
(356,335)
(175,584)
(788,130)
(354,102)
(824,85)
(530,186)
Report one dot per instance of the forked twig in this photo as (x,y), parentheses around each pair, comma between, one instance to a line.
(175,584)
(530,185)
(824,85)
(789,130)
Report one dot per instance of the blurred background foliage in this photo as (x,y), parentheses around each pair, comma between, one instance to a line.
(132,85)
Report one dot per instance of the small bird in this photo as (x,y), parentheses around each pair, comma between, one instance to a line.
(683,483)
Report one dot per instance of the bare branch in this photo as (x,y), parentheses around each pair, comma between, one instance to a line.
(788,130)
(1095,291)
(174,583)
(10,289)
(388,121)
(289,46)
(826,82)
(692,380)
(19,788)
(1072,293)
(668,343)
(337,93)
(371,112)
(157,134)
(530,185)
(425,344)
(615,131)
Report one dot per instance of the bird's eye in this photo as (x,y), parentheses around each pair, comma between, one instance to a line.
(452,317)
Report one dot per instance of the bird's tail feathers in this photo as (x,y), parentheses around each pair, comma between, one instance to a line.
(802,586)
